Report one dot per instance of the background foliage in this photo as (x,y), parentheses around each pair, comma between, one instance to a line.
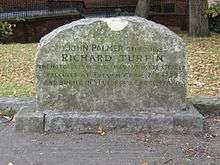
(6,29)
(213,12)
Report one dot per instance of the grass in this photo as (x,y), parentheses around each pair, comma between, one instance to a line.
(17,71)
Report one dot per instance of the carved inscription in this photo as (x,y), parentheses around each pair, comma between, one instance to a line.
(102,68)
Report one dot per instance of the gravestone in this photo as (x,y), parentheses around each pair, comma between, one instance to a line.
(122,73)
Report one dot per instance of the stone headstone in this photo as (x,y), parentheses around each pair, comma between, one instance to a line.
(119,72)
(111,65)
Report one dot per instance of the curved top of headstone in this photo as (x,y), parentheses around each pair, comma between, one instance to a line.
(111,65)
(113,23)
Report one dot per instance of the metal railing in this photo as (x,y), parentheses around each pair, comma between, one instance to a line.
(39,10)
(56,8)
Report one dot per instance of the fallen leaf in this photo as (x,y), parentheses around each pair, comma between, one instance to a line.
(145,163)
(13,119)
(201,52)
(217,119)
(2,114)
(166,162)
(6,117)
(100,130)
(199,84)
(10,163)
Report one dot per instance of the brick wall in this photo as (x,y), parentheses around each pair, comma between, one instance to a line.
(182,7)
(181,4)
(9,4)
(109,3)
(33,30)
(177,19)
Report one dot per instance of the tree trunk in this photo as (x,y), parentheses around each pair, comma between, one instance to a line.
(198,19)
(142,8)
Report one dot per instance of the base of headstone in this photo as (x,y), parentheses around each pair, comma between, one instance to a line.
(58,122)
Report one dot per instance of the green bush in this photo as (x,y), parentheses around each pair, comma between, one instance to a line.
(212,12)
(6,29)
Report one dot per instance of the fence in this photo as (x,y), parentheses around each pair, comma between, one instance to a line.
(12,9)
(22,9)
(55,13)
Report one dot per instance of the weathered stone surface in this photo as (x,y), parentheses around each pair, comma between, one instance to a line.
(58,122)
(190,119)
(111,65)
(207,104)
(88,122)
(28,120)
(11,105)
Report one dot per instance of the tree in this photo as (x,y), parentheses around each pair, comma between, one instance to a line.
(198,19)
(142,8)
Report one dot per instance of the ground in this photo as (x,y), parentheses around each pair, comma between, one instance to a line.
(203,65)
(17,67)
(113,148)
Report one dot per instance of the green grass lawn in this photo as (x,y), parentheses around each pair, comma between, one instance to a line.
(17,67)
